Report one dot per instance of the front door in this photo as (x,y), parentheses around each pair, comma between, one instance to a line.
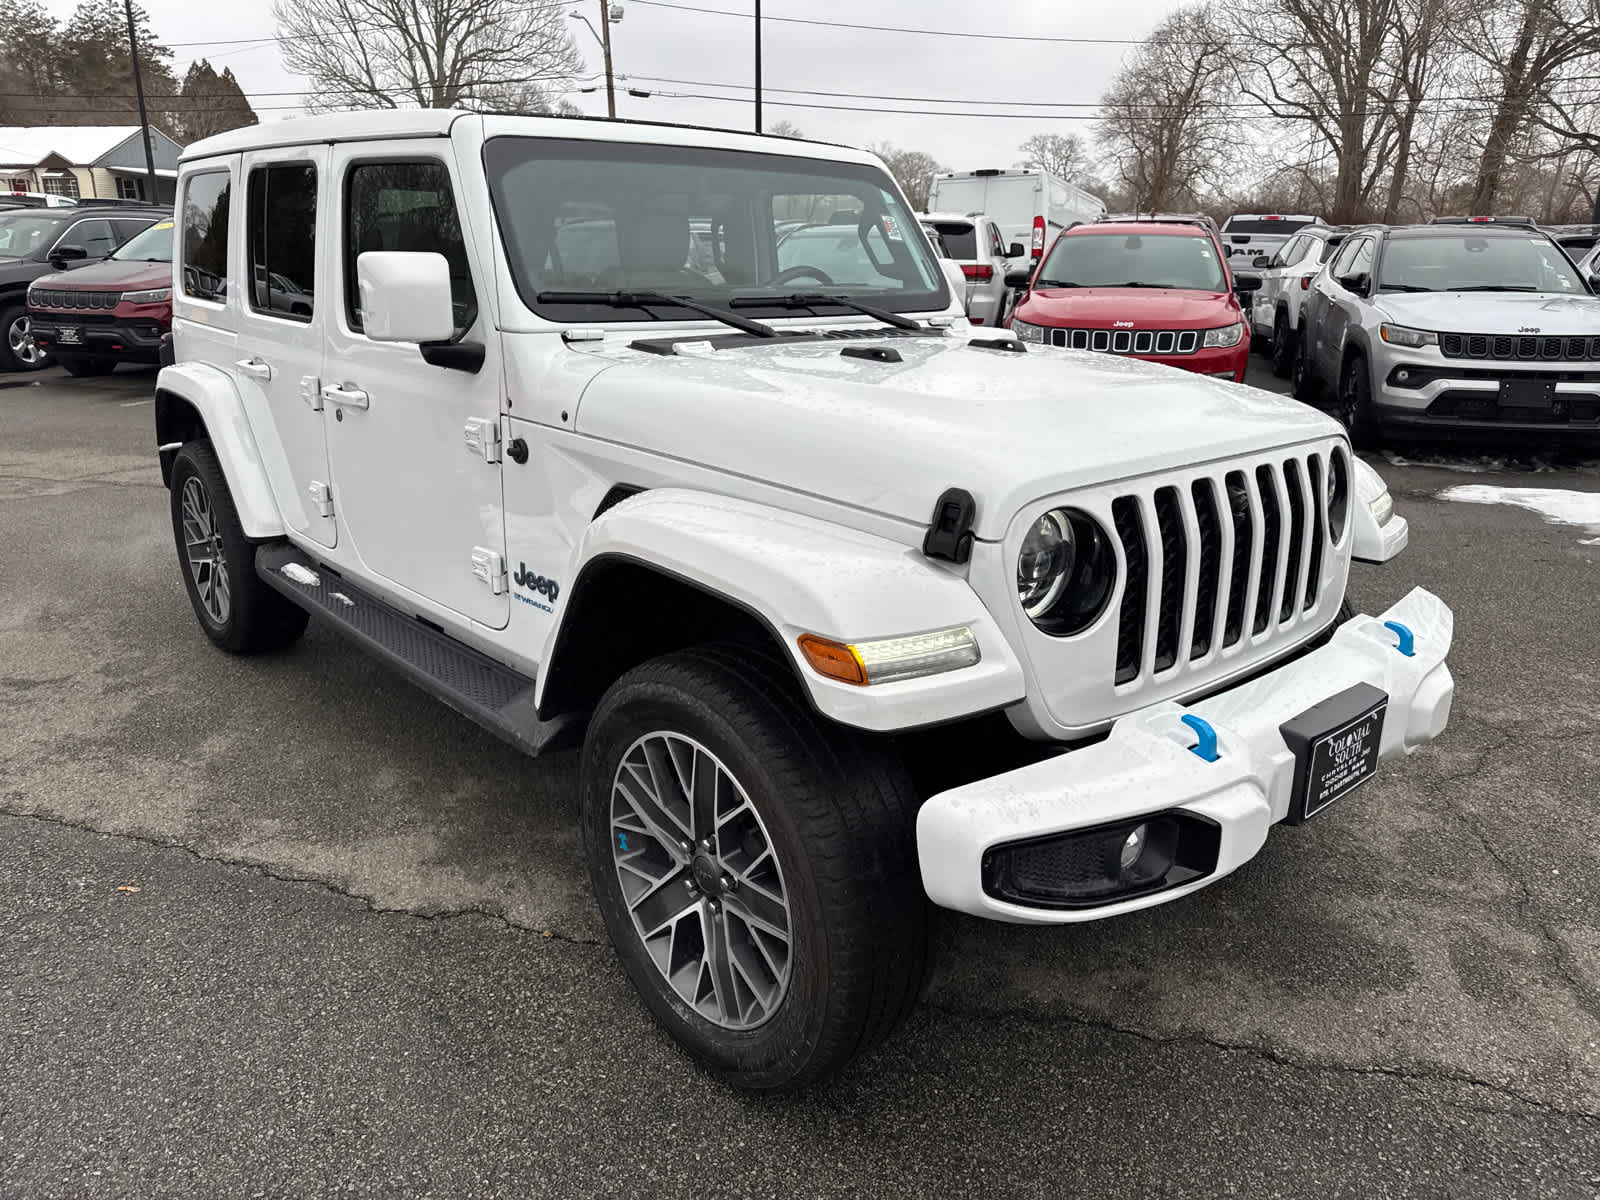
(414,446)
(283,313)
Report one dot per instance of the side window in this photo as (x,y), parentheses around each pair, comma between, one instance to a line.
(1287,253)
(996,242)
(1347,254)
(205,236)
(282,235)
(126,228)
(1361,264)
(406,206)
(97,237)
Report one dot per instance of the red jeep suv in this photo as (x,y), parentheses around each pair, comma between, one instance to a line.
(1155,290)
(114,311)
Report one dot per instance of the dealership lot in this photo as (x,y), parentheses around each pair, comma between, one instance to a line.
(362,956)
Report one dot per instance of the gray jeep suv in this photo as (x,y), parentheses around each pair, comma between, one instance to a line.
(1467,325)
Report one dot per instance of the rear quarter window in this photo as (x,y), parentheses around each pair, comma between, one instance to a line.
(206,197)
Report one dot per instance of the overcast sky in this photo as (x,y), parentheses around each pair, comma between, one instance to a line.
(708,49)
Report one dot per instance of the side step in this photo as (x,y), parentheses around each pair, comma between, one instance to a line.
(476,686)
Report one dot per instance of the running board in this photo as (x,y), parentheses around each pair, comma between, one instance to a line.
(476,686)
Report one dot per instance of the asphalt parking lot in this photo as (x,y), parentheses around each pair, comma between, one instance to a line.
(286,927)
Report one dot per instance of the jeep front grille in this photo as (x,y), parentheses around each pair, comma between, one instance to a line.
(1235,554)
(1128,341)
(1526,347)
(72,298)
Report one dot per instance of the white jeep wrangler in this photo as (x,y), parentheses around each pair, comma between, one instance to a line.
(529,408)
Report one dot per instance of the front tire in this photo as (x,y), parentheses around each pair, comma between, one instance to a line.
(18,350)
(1355,403)
(236,609)
(1284,348)
(755,866)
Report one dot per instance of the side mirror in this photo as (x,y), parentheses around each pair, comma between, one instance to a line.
(1247,283)
(1354,283)
(1015,250)
(1019,280)
(405,296)
(1261,262)
(62,255)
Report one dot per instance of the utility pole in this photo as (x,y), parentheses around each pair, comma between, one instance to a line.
(758,66)
(144,117)
(605,44)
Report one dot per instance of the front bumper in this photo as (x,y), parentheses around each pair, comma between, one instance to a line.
(135,339)
(1147,765)
(1423,391)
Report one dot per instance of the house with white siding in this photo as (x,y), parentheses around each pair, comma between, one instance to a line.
(86,162)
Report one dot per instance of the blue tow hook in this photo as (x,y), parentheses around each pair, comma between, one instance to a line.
(1408,640)
(1206,747)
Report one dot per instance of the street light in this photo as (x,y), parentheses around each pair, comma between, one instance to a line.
(609,13)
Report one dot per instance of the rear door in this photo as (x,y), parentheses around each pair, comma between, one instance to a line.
(415,446)
(1342,301)
(282,319)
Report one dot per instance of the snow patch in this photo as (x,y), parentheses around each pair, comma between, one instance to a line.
(300,575)
(343,599)
(1589,542)
(1556,505)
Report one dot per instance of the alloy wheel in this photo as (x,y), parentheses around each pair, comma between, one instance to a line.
(202,540)
(20,338)
(701,880)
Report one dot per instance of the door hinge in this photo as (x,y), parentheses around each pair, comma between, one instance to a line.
(321,498)
(483,438)
(311,391)
(490,566)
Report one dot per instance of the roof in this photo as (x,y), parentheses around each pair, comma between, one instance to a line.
(78,144)
(1456,231)
(374,124)
(1158,228)
(969,218)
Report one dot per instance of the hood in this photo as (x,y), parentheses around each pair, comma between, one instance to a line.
(1147,308)
(113,274)
(891,437)
(1492,312)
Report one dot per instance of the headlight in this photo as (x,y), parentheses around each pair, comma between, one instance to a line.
(1399,335)
(1382,509)
(1026,332)
(153,296)
(1338,495)
(1065,572)
(1228,335)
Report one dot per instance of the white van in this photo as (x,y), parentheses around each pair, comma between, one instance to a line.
(1030,206)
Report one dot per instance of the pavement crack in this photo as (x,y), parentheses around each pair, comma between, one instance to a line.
(1409,1076)
(487,912)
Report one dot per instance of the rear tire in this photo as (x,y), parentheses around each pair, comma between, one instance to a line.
(830,811)
(1302,376)
(83,365)
(1285,344)
(237,610)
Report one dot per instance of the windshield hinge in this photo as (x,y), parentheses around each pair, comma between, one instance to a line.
(321,498)
(950,535)
(490,567)
(482,437)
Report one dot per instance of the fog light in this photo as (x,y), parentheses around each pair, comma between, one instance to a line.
(1132,847)
(1104,865)
(1402,375)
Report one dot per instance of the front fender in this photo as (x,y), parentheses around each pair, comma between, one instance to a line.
(800,575)
(219,413)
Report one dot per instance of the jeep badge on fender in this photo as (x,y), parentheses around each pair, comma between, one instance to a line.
(735,429)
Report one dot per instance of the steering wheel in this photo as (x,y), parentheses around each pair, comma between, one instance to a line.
(789,274)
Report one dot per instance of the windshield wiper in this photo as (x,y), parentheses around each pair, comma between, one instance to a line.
(1494,287)
(812,299)
(1403,287)
(643,301)
(1057,283)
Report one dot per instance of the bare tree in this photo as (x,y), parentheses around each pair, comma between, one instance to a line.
(428,53)
(913,171)
(786,129)
(1061,154)
(1523,49)
(1164,124)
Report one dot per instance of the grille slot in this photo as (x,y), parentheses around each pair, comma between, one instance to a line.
(1130,620)
(1239,510)
(1297,532)
(1318,531)
(1271,521)
(1210,583)
(1169,615)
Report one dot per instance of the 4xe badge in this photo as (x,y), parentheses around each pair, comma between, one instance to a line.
(548,588)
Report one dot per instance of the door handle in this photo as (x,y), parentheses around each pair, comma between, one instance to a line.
(254,368)
(347,397)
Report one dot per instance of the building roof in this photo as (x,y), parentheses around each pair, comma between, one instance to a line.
(80,145)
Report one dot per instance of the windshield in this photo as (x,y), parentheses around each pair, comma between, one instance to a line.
(21,234)
(153,245)
(1467,261)
(1285,226)
(713,225)
(1133,260)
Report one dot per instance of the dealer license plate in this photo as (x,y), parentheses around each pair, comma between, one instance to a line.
(69,337)
(1335,745)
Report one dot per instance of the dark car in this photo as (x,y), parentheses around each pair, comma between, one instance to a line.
(113,311)
(37,241)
